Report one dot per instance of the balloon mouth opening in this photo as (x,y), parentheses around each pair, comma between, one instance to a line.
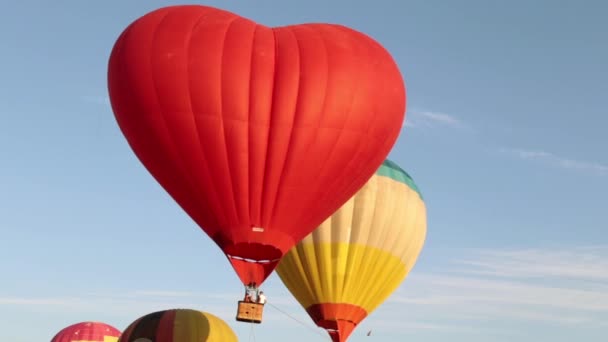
(255,253)
(333,315)
(338,319)
(338,330)
(334,325)
(253,260)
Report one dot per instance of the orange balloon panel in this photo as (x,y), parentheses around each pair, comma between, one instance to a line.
(258,133)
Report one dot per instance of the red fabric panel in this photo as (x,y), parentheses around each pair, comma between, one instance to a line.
(164,331)
(249,127)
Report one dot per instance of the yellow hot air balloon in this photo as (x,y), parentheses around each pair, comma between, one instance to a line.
(360,255)
(178,325)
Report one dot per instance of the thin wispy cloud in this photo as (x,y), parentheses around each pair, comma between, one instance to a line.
(137,303)
(35,301)
(432,119)
(386,324)
(559,161)
(558,287)
(421,118)
(551,286)
(160,293)
(585,264)
(563,287)
(128,306)
(120,305)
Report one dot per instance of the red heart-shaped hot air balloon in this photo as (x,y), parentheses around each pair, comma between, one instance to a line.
(258,133)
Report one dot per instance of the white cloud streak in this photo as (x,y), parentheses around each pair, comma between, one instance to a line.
(429,119)
(418,118)
(137,303)
(477,293)
(558,161)
(566,288)
(585,264)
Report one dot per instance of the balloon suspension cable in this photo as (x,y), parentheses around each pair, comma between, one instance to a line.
(251,333)
(252,292)
(316,331)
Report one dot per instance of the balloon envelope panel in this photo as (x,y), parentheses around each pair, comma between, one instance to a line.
(258,133)
(179,325)
(87,332)
(359,256)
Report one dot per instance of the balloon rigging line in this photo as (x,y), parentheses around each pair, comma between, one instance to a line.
(251,333)
(297,320)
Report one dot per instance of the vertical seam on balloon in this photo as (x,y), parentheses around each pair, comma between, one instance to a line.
(379,293)
(333,273)
(287,158)
(165,325)
(233,204)
(299,258)
(296,257)
(320,117)
(293,272)
(362,142)
(407,233)
(386,288)
(214,191)
(266,159)
(249,127)
(420,221)
(364,266)
(321,273)
(388,189)
(174,151)
(408,202)
(305,217)
(350,242)
(331,188)
(411,251)
(315,286)
(310,276)
(317,244)
(382,229)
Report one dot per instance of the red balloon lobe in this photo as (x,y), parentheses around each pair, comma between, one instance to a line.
(258,133)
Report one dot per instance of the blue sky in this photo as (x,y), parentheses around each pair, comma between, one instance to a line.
(505,136)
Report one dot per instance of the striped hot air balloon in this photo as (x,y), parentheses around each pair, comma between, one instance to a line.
(87,332)
(178,325)
(352,263)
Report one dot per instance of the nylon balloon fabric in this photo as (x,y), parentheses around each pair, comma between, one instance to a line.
(87,332)
(179,325)
(360,255)
(258,133)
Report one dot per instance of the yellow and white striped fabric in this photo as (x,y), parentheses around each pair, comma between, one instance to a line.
(364,251)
